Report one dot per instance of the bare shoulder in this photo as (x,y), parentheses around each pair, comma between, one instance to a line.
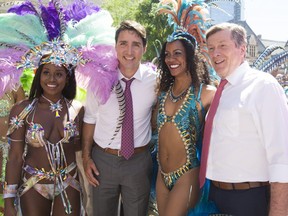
(209,88)
(19,94)
(208,91)
(19,107)
(207,95)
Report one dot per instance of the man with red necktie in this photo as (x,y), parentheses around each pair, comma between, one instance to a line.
(246,149)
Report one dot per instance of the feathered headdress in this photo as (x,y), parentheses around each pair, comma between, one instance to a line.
(190,21)
(78,34)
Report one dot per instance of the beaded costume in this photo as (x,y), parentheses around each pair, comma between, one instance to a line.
(75,34)
(189,125)
(190,21)
(59,173)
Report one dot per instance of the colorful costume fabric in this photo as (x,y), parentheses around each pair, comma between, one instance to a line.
(76,34)
(59,173)
(189,125)
(190,21)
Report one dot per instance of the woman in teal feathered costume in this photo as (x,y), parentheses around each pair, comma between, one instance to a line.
(185,95)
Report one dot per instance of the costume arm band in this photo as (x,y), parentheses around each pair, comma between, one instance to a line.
(13,140)
(17,122)
(9,191)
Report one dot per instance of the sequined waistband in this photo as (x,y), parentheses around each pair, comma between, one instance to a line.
(50,175)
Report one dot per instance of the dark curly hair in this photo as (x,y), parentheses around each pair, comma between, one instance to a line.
(196,67)
(68,92)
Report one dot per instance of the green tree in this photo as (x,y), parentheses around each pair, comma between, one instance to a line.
(121,9)
(144,12)
(156,25)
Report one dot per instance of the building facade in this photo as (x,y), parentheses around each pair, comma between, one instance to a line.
(233,11)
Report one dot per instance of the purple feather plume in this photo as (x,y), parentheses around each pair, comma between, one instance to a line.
(25,8)
(79,10)
(51,20)
(49,16)
(9,74)
(99,74)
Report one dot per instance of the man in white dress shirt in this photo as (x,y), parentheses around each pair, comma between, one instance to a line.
(106,169)
(248,155)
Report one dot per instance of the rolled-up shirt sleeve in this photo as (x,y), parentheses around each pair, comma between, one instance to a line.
(273,111)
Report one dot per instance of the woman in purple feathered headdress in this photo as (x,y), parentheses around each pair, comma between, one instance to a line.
(44,131)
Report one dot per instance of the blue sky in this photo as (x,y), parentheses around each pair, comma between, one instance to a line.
(268,18)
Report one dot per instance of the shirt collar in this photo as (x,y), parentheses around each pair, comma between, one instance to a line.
(237,76)
(138,75)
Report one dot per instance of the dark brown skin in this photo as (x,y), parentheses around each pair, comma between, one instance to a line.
(52,81)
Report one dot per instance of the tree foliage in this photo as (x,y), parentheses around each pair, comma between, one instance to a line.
(121,9)
(144,12)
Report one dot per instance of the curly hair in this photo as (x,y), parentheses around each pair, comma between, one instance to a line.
(196,67)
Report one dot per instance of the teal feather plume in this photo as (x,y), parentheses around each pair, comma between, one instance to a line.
(21,30)
(91,29)
(190,16)
(30,24)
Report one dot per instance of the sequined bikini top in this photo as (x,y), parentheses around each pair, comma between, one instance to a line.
(35,133)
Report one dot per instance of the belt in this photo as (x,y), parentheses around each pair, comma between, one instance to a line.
(238,186)
(117,151)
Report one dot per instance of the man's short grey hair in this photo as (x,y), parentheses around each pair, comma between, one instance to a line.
(238,33)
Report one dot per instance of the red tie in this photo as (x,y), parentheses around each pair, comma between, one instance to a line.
(208,131)
(127,139)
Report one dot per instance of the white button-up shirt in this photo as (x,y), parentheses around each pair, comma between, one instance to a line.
(249,140)
(105,116)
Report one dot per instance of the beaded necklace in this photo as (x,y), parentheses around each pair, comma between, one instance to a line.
(54,107)
(174,98)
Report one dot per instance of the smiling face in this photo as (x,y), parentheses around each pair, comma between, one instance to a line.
(130,49)
(175,58)
(53,80)
(224,53)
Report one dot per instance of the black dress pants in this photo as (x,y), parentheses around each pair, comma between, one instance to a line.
(250,202)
